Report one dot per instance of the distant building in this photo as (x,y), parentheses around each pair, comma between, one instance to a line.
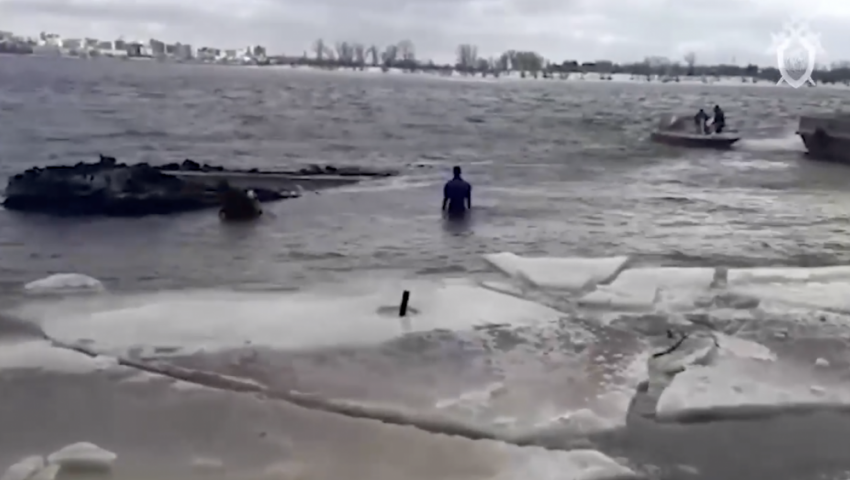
(157,48)
(208,54)
(49,39)
(184,52)
(134,49)
(171,49)
(121,45)
(72,44)
(104,45)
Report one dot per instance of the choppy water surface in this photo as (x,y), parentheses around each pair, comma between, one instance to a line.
(558,168)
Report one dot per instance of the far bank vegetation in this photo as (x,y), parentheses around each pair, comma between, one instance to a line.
(468,62)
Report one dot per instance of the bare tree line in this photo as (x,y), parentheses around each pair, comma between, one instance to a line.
(354,54)
(403,55)
(468,61)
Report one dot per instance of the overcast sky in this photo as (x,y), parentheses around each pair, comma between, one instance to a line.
(620,30)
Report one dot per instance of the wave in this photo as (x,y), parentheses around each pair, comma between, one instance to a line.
(787,143)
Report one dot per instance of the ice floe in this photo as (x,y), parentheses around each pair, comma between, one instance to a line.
(832,296)
(683,353)
(737,373)
(472,400)
(77,457)
(60,283)
(582,421)
(644,288)
(702,352)
(610,284)
(207,464)
(735,383)
(47,473)
(25,468)
(570,273)
(42,355)
(83,456)
(738,276)
(287,469)
(542,464)
(188,321)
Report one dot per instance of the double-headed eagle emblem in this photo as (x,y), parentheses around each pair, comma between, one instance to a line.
(797,50)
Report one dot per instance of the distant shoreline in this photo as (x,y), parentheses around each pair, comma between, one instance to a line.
(457,75)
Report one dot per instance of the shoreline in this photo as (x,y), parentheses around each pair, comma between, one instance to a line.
(455,75)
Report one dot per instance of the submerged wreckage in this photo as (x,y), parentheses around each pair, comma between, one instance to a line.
(109,188)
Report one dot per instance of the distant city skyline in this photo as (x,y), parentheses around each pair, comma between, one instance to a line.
(344,52)
(581,29)
(53,43)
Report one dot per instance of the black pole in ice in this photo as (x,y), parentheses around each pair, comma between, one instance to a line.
(402,309)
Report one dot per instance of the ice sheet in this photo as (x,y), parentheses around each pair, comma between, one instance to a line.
(735,347)
(693,350)
(647,288)
(832,296)
(539,464)
(41,355)
(745,374)
(226,319)
(583,421)
(698,349)
(573,394)
(740,276)
(47,473)
(83,456)
(565,273)
(64,283)
(738,383)
(24,468)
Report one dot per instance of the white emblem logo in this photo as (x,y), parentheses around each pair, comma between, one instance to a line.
(797,49)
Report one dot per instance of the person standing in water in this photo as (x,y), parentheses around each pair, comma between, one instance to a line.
(457,196)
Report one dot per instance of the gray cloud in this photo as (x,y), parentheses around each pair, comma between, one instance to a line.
(621,30)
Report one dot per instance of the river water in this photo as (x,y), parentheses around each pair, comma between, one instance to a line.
(560,169)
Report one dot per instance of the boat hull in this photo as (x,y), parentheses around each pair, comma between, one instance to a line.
(716,142)
(826,138)
(828,150)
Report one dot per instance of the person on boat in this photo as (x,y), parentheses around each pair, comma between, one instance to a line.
(700,120)
(457,196)
(719,122)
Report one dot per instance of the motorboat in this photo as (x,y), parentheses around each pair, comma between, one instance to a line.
(673,130)
(719,141)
